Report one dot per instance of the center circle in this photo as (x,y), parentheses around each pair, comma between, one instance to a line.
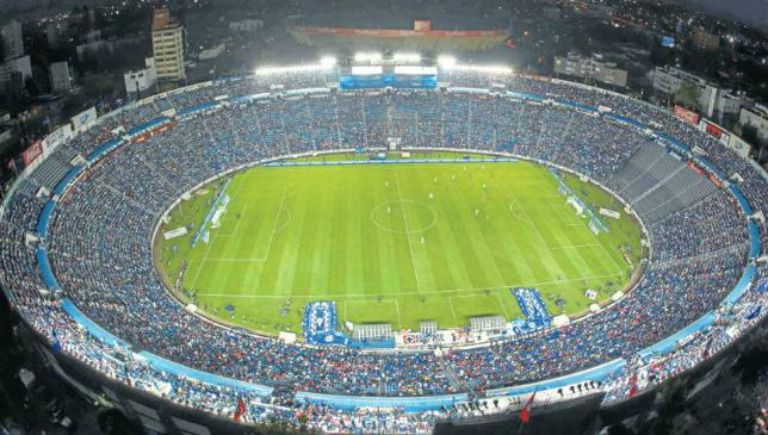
(404,216)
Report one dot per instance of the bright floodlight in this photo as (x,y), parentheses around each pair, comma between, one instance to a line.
(406,57)
(446,61)
(327,61)
(368,56)
(288,69)
(366,70)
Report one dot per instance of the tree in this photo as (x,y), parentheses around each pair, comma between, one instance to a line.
(688,95)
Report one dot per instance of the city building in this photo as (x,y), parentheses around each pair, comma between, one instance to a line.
(756,117)
(249,25)
(704,40)
(168,46)
(13,40)
(711,99)
(591,68)
(136,82)
(20,65)
(61,81)
(94,49)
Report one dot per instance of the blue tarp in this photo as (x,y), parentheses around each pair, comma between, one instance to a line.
(94,329)
(198,108)
(46,273)
(750,272)
(594,374)
(526,96)
(103,149)
(149,125)
(755,245)
(208,378)
(576,105)
(44,218)
(668,344)
(249,98)
(681,147)
(410,404)
(626,120)
(61,186)
(743,203)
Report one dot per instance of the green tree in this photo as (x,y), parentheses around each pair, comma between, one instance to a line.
(688,95)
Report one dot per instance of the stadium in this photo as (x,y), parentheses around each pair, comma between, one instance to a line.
(383,248)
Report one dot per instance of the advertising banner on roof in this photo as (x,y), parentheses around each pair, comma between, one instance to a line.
(32,153)
(57,137)
(738,145)
(84,119)
(687,115)
(713,130)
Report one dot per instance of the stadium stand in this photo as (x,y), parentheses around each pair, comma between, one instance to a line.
(89,287)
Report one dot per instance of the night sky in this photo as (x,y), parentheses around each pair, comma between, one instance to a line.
(754,12)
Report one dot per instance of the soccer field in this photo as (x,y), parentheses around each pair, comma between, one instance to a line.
(395,243)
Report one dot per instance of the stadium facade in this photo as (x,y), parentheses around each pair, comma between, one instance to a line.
(77,264)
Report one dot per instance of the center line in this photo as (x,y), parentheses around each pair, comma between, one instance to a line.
(407,233)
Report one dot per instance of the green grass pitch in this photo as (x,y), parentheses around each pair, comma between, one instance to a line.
(396,243)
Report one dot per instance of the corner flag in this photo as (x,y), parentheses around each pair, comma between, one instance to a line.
(241,409)
(525,413)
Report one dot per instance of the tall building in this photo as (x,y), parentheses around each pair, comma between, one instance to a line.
(20,65)
(141,80)
(712,100)
(13,40)
(61,82)
(592,68)
(168,46)
(756,117)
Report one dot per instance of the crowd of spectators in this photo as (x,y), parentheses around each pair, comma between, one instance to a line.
(100,237)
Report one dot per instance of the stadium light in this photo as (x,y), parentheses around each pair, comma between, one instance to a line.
(488,69)
(367,70)
(268,70)
(406,57)
(415,70)
(368,56)
(446,61)
(328,61)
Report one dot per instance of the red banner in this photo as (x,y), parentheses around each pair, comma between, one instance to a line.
(687,115)
(714,130)
(32,153)
(696,169)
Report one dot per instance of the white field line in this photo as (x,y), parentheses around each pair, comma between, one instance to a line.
(269,244)
(202,263)
(399,320)
(528,216)
(408,233)
(207,251)
(577,246)
(605,251)
(277,221)
(237,225)
(410,293)
(453,312)
(503,307)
